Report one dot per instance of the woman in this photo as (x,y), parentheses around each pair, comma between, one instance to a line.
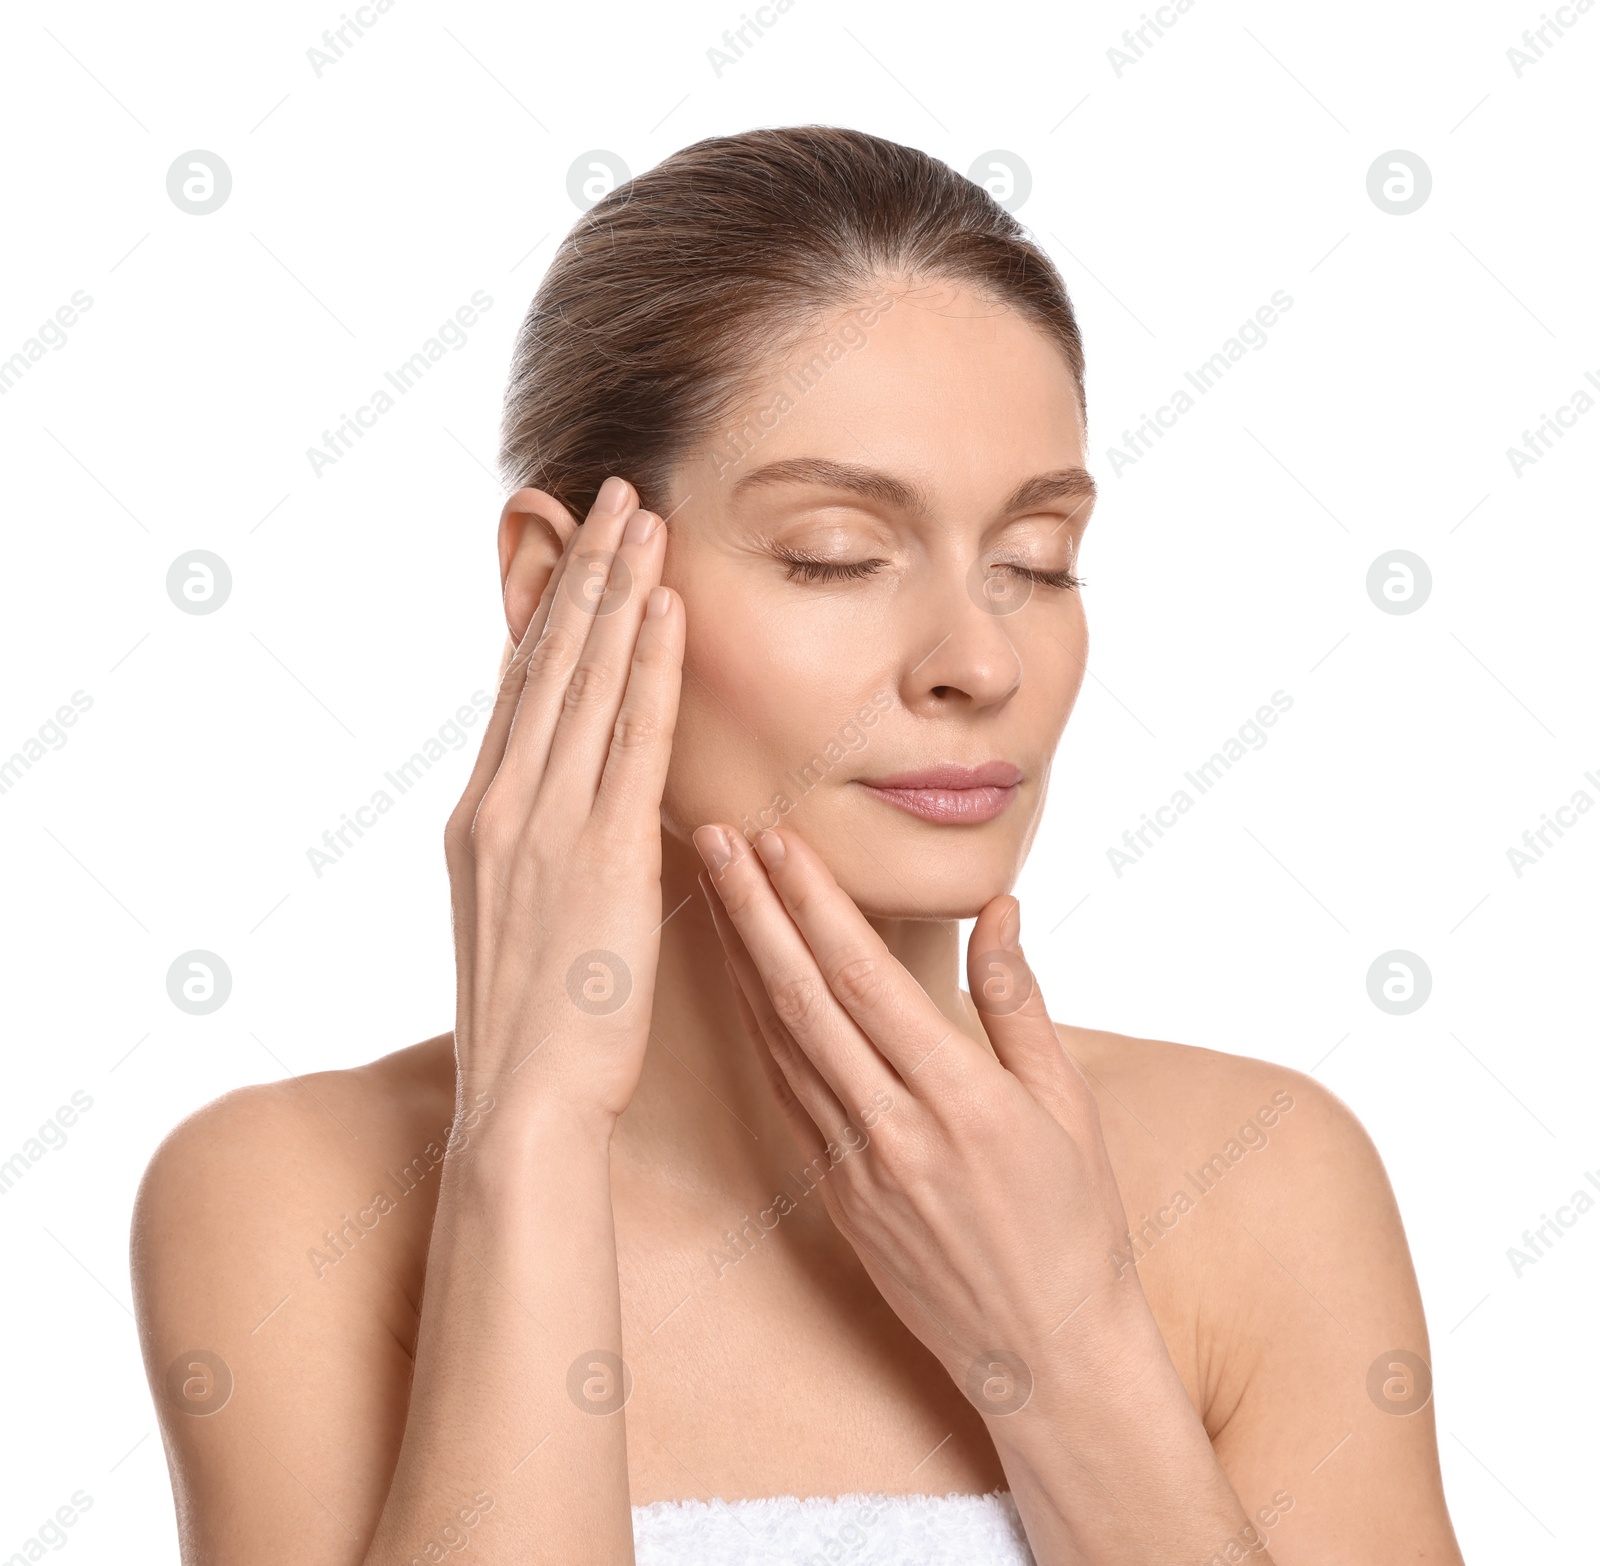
(725,1201)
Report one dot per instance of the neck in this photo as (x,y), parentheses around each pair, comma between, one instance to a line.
(704,1117)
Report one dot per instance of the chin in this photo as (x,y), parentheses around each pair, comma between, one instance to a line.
(916,871)
(940,904)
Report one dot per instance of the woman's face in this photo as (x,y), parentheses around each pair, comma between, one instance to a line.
(851,551)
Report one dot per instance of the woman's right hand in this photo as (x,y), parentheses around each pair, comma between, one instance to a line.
(432,1393)
(554,851)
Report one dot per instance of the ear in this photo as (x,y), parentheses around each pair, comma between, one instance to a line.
(534,529)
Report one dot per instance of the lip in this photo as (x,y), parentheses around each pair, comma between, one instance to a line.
(948,793)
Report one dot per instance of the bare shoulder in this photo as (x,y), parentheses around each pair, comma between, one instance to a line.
(1170,1106)
(278,1244)
(380,1092)
(1242,1178)
(261,1153)
(1256,1202)
(1264,1230)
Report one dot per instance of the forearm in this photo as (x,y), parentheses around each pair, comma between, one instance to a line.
(1108,1461)
(521,1287)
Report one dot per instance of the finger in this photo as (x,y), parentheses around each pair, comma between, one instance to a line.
(461,855)
(568,622)
(459,847)
(863,976)
(808,1138)
(805,1083)
(1012,1006)
(513,679)
(628,799)
(791,980)
(588,716)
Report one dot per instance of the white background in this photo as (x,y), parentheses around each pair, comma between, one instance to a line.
(431,161)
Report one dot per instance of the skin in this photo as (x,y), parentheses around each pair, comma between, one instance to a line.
(1202,1395)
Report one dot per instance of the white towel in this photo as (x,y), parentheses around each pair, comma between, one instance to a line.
(833,1530)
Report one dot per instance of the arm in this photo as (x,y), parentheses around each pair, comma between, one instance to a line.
(989,1216)
(1301,1314)
(510,1433)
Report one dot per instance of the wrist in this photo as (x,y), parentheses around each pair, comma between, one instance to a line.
(503,1139)
(1106,1394)
(1109,1438)
(1103,1360)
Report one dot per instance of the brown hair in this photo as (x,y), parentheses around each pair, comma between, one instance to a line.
(670,292)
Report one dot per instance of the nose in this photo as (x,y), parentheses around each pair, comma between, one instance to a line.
(960,651)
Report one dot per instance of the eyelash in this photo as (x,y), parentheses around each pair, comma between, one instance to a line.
(802,568)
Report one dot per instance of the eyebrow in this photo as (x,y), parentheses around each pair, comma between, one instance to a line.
(890,490)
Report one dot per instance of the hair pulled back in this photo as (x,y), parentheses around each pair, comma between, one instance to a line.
(668,296)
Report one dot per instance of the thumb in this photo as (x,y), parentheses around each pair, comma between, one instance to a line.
(1012,1007)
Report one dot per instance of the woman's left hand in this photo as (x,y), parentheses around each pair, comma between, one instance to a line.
(984,1207)
(986,1211)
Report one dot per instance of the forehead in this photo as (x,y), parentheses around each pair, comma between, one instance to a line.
(936,381)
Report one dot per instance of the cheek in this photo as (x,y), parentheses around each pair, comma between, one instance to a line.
(734,716)
(1054,651)
(759,702)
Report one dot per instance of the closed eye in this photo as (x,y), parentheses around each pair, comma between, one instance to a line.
(1064,578)
(806,568)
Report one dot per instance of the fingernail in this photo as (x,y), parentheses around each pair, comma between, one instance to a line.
(712,842)
(1011,927)
(657,604)
(613,495)
(770,846)
(640,526)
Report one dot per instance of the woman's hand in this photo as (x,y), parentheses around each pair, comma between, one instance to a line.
(983,1204)
(987,1210)
(555,848)
(555,879)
